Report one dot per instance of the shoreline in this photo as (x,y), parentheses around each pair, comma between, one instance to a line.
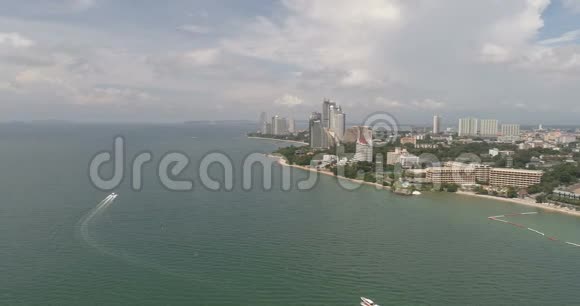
(528,203)
(283,162)
(275,139)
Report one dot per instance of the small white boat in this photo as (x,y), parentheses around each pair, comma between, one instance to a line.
(367,302)
(416,192)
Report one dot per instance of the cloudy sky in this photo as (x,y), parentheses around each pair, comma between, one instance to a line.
(150,60)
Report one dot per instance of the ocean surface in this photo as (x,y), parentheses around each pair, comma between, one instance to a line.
(324,246)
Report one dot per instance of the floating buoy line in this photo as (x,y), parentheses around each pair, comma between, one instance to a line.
(499,219)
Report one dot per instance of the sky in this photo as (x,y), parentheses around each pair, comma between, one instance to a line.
(170,61)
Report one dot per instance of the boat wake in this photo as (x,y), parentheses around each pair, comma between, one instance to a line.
(92,217)
(97,211)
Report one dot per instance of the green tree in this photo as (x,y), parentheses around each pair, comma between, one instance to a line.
(512,193)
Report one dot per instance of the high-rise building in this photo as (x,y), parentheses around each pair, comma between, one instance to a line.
(340,125)
(336,120)
(510,129)
(279,125)
(488,128)
(436,124)
(318,135)
(326,104)
(468,126)
(263,123)
(291,124)
(364,145)
(332,111)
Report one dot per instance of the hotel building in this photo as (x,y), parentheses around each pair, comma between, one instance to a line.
(451,175)
(504,177)
(364,145)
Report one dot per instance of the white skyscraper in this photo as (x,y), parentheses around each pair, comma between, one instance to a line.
(436,124)
(468,126)
(263,123)
(364,145)
(340,125)
(333,110)
(510,129)
(291,124)
(488,128)
(279,125)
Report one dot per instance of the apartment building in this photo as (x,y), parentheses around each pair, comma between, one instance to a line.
(519,178)
(451,175)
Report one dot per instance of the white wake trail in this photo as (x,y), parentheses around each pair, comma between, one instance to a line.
(84,225)
(84,222)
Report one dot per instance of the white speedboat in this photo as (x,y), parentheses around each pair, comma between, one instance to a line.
(367,302)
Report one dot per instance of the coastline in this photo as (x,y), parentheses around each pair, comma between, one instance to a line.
(282,162)
(282,140)
(525,202)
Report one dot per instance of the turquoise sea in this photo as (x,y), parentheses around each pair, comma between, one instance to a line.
(325,246)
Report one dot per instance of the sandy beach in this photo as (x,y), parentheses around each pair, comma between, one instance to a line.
(527,202)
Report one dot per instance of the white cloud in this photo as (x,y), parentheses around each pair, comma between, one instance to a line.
(381,101)
(428,104)
(510,37)
(289,101)
(194,29)
(344,11)
(112,95)
(321,35)
(515,44)
(495,54)
(81,5)
(7,86)
(357,77)
(425,104)
(202,57)
(15,40)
